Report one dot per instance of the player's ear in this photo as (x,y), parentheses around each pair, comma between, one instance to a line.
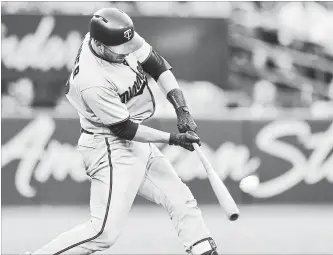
(99,46)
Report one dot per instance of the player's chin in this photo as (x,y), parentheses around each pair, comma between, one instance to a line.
(120,59)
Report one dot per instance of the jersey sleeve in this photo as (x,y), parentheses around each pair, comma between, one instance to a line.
(106,105)
(143,53)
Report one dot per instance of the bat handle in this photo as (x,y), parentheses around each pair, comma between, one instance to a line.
(203,158)
(196,147)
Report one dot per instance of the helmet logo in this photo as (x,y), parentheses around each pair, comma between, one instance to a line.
(128,34)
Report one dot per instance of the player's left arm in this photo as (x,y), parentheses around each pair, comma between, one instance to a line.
(160,70)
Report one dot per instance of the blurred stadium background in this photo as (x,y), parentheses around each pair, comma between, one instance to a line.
(258,78)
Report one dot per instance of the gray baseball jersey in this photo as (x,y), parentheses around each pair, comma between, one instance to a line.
(104,93)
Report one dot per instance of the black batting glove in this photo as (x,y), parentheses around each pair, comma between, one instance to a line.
(185,140)
(185,120)
(184,117)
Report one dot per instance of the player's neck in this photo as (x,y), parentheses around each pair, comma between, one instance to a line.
(95,49)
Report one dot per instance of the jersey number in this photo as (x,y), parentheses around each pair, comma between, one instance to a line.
(75,71)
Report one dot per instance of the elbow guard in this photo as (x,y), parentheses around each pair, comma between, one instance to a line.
(125,130)
(155,65)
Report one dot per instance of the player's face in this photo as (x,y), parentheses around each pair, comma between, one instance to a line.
(114,57)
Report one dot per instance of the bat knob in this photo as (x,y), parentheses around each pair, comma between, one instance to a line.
(234,216)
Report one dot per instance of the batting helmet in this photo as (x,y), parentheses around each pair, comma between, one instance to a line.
(115,29)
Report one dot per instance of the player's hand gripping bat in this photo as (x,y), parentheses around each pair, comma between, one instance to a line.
(225,199)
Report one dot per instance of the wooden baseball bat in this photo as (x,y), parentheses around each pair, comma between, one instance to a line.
(225,199)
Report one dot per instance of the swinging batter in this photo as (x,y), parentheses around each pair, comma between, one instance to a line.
(109,89)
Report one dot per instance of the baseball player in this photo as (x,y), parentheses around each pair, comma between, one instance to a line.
(110,91)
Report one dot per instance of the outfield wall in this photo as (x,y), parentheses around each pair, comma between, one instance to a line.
(293,159)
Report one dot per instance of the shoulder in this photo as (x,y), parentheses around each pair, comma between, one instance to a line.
(92,73)
(93,77)
(143,53)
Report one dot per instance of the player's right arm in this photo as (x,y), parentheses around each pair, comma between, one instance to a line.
(107,106)
(160,70)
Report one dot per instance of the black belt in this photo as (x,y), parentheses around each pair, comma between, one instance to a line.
(85,131)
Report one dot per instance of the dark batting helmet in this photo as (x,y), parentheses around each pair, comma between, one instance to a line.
(115,29)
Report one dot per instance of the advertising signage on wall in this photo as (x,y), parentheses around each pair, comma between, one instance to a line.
(292,158)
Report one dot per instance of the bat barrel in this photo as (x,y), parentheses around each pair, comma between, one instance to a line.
(225,199)
(233,216)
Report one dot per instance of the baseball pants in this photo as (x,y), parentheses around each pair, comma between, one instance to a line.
(118,171)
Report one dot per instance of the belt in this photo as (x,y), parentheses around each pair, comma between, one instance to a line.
(85,131)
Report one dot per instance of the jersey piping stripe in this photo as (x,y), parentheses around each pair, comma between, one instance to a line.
(107,207)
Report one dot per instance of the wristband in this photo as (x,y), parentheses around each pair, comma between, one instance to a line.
(176,98)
